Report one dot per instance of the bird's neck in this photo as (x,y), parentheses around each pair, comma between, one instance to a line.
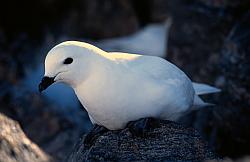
(99,69)
(102,71)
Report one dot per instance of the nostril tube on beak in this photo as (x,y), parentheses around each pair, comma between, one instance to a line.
(45,83)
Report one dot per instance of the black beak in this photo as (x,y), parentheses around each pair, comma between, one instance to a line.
(45,83)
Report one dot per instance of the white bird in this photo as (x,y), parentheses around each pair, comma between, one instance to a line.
(153,35)
(116,88)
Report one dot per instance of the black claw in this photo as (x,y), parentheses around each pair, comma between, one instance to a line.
(96,132)
(140,127)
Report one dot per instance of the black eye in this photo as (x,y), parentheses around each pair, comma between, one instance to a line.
(68,60)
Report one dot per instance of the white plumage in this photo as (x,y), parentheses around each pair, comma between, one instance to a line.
(116,88)
(153,35)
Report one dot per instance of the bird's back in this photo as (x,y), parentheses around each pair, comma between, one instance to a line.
(152,66)
(177,88)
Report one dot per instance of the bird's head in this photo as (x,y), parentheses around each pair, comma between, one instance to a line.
(67,62)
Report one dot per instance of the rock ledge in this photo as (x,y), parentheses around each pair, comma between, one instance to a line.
(169,142)
(15,146)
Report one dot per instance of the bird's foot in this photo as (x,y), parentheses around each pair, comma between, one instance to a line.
(140,127)
(96,131)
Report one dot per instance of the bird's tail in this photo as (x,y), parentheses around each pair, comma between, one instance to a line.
(201,89)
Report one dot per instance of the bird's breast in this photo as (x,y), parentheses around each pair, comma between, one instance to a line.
(113,102)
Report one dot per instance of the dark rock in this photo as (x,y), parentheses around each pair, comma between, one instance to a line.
(230,128)
(77,18)
(198,33)
(159,10)
(44,124)
(209,40)
(15,146)
(100,19)
(169,142)
(191,47)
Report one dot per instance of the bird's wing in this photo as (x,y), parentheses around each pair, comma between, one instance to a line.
(155,67)
(154,35)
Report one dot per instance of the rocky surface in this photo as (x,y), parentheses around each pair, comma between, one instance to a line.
(78,18)
(51,129)
(211,44)
(42,121)
(229,126)
(96,19)
(169,142)
(15,146)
